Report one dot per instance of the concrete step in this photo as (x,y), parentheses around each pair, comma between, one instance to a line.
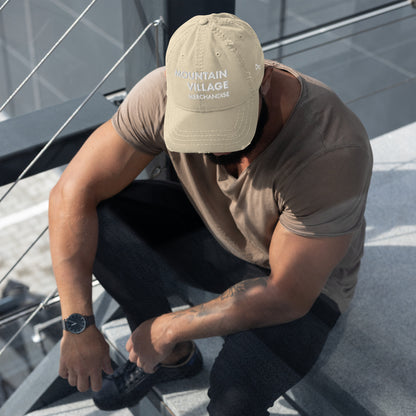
(183,397)
(78,404)
(81,404)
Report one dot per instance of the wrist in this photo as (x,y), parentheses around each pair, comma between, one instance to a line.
(77,323)
(171,334)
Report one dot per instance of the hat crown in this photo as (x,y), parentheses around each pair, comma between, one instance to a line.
(214,68)
(213,63)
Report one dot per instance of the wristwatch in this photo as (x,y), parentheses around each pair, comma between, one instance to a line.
(77,323)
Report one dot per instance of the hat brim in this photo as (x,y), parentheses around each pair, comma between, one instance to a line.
(228,130)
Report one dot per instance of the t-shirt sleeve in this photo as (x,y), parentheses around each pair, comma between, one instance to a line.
(327,197)
(139,119)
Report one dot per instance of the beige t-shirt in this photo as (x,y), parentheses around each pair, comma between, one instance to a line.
(313,177)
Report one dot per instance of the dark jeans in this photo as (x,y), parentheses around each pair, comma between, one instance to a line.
(150,232)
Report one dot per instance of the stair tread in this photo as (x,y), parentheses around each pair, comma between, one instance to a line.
(187,396)
(77,404)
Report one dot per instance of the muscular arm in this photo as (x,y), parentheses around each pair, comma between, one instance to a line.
(299,269)
(103,166)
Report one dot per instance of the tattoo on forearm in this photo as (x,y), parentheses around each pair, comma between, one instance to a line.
(194,312)
(243,287)
(206,309)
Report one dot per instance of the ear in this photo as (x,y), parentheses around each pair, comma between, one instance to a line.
(267,80)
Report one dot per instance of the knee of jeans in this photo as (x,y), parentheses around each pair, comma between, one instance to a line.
(244,380)
(231,400)
(110,222)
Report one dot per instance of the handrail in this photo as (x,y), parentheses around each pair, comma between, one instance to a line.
(77,110)
(46,56)
(336,24)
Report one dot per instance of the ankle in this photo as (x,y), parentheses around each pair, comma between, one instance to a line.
(179,353)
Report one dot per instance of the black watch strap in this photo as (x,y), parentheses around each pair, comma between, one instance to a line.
(90,320)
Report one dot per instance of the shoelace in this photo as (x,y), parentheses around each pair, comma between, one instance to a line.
(127,375)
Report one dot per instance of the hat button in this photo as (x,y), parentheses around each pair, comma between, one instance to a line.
(203,21)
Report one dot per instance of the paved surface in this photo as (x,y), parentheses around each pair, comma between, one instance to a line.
(368,366)
(23,216)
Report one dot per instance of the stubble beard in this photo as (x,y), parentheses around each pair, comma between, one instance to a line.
(235,157)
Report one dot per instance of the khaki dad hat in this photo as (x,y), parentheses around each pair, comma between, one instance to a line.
(214,69)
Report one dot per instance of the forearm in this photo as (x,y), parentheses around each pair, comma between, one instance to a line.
(73,232)
(249,304)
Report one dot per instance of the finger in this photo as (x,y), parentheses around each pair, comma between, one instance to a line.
(107,367)
(83,383)
(72,379)
(133,357)
(63,372)
(96,381)
(129,344)
(147,368)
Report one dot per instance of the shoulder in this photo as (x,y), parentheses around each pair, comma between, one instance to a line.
(153,84)
(139,119)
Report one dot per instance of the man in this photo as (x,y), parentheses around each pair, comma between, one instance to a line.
(275,167)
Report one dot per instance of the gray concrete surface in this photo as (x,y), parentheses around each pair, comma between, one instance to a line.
(368,366)
(23,216)
(79,404)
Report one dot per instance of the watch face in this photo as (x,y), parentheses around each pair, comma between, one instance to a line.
(75,323)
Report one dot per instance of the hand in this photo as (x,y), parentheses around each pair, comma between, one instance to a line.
(83,358)
(149,343)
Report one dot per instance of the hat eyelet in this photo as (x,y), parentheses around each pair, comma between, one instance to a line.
(218,53)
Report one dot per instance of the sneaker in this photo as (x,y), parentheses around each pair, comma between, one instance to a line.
(129,383)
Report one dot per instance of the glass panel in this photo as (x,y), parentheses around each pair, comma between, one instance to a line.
(272,19)
(371,65)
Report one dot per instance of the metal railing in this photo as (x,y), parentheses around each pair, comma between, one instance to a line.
(156,24)
(335,25)
(47,55)
(4,5)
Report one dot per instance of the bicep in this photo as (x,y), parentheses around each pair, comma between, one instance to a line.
(300,266)
(104,165)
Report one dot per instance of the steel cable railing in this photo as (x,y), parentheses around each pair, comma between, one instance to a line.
(23,255)
(348,36)
(155,24)
(77,110)
(320,30)
(29,319)
(4,5)
(46,56)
